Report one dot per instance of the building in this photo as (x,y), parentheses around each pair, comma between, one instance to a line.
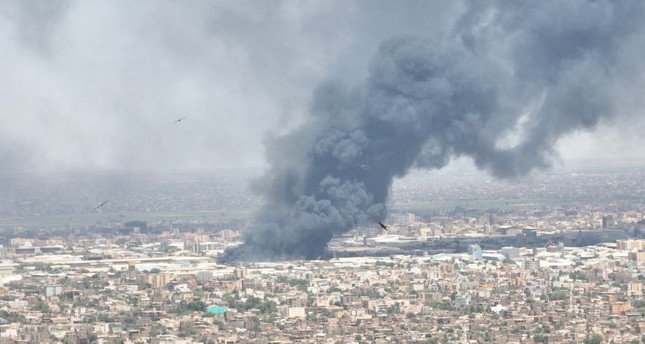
(217,310)
(552,247)
(53,290)
(507,230)
(532,265)
(156,280)
(634,289)
(296,312)
(608,221)
(511,252)
(637,256)
(475,251)
(6,269)
(620,307)
(637,245)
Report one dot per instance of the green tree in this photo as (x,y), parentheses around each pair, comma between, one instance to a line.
(42,307)
(220,324)
(128,321)
(12,317)
(593,339)
(188,330)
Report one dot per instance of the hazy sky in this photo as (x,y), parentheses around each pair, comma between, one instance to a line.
(94,85)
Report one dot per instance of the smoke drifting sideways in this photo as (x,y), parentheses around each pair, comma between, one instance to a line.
(512,79)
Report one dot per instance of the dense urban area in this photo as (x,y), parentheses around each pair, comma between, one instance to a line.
(132,258)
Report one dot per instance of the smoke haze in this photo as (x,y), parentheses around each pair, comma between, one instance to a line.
(337,98)
(501,88)
(94,85)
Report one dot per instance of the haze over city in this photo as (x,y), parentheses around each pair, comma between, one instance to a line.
(91,85)
(322,171)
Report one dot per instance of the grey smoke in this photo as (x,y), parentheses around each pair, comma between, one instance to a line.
(536,70)
(95,85)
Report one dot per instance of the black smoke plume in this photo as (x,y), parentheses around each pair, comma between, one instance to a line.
(534,69)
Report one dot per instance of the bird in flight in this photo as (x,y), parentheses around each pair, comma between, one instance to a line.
(102,204)
(180,119)
(384,226)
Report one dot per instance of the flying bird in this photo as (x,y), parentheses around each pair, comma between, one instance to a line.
(102,204)
(180,119)
(384,226)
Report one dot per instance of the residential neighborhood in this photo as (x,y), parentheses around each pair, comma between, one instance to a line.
(166,289)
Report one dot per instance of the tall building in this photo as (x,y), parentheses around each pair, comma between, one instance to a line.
(156,280)
(492,219)
(532,264)
(631,244)
(412,218)
(475,251)
(132,271)
(608,221)
(634,289)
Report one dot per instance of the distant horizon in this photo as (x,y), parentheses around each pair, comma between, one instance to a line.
(455,163)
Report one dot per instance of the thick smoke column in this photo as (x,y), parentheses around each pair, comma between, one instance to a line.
(538,70)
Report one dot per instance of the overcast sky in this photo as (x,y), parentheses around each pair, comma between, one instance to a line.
(98,85)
